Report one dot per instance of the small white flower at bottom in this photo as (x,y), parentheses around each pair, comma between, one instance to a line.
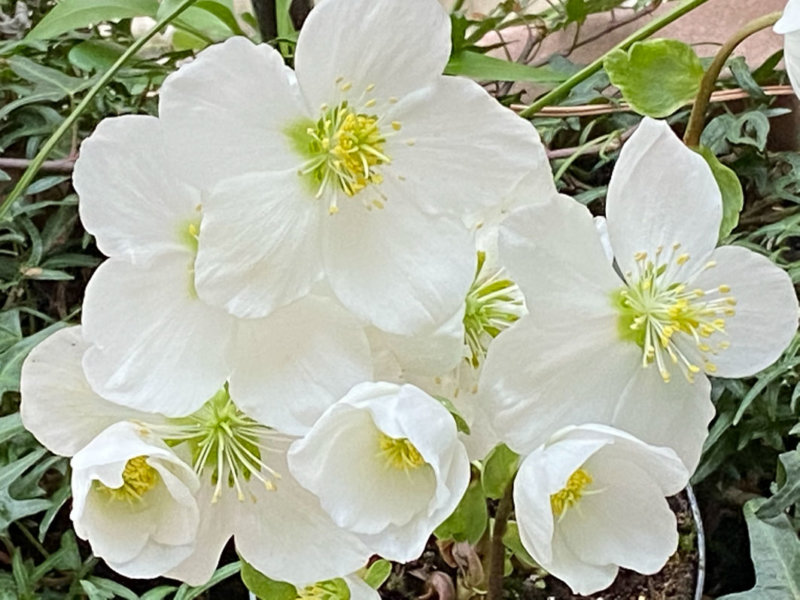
(591,500)
(386,464)
(134,500)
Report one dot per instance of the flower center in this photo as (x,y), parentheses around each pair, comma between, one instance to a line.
(138,477)
(399,453)
(226,445)
(344,149)
(659,314)
(571,494)
(493,304)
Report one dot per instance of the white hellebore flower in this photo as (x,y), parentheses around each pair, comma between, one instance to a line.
(629,344)
(134,500)
(386,464)
(789,27)
(156,346)
(591,500)
(358,166)
(244,489)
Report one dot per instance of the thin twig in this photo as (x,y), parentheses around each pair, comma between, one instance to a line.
(64,165)
(497,550)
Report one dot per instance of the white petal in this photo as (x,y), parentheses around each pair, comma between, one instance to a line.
(458,150)
(539,377)
(790,21)
(397,268)
(258,245)
(674,414)
(340,462)
(662,193)
(287,536)
(291,366)
(766,310)
(427,353)
(151,561)
(226,112)
(155,347)
(791,58)
(130,199)
(54,390)
(581,577)
(628,523)
(398,47)
(360,590)
(553,252)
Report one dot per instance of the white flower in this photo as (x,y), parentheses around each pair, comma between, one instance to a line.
(156,346)
(245,489)
(386,464)
(591,500)
(358,166)
(789,27)
(630,344)
(133,499)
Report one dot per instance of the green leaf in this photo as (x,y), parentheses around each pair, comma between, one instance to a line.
(46,79)
(189,592)
(488,68)
(470,518)
(775,550)
(74,14)
(499,469)
(731,189)
(461,423)
(513,542)
(264,587)
(95,55)
(788,486)
(378,573)
(656,77)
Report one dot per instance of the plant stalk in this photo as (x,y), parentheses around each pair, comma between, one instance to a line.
(558,92)
(497,550)
(698,117)
(47,148)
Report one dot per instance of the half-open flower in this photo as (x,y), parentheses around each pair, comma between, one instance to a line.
(629,344)
(361,170)
(386,464)
(134,500)
(591,500)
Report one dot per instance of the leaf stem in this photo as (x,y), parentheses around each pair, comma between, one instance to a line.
(73,116)
(698,117)
(563,89)
(497,550)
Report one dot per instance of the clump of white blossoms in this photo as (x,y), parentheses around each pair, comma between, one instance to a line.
(629,343)
(386,464)
(233,466)
(359,166)
(592,499)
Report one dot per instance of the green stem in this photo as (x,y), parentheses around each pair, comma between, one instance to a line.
(47,148)
(497,549)
(563,89)
(698,117)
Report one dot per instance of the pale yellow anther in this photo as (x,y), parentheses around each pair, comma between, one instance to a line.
(676,245)
(640,256)
(333,209)
(339,79)
(399,453)
(193,230)
(693,368)
(659,250)
(699,293)
(370,103)
(392,100)
(710,367)
(345,87)
(682,259)
(410,142)
(704,348)
(710,264)
(665,375)
(396,125)
(571,493)
(378,204)
(729,312)
(724,289)
(370,87)
(724,345)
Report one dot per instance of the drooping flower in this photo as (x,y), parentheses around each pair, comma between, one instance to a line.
(156,346)
(630,343)
(591,500)
(386,464)
(360,170)
(789,27)
(245,489)
(134,500)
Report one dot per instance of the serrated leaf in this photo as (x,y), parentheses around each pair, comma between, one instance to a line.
(775,550)
(488,68)
(264,587)
(731,189)
(470,518)
(656,77)
(499,468)
(68,15)
(378,573)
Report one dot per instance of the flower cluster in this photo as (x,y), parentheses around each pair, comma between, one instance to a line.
(329,289)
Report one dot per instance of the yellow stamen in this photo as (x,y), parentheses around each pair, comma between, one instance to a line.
(399,453)
(138,478)
(571,493)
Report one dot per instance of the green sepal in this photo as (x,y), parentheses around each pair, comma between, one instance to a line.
(499,468)
(731,189)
